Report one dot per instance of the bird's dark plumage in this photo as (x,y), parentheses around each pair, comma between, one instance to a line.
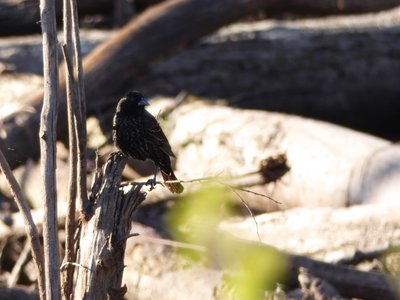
(137,133)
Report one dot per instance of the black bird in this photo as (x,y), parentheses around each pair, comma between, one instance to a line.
(137,133)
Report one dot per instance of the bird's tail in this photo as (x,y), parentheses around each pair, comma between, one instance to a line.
(175,187)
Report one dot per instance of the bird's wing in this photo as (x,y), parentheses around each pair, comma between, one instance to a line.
(155,134)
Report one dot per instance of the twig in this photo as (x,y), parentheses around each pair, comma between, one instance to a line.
(47,137)
(3,244)
(69,70)
(124,238)
(179,99)
(171,243)
(23,257)
(248,209)
(30,227)
(270,170)
(233,188)
(80,110)
(360,256)
(215,179)
(70,255)
(70,263)
(209,179)
(258,194)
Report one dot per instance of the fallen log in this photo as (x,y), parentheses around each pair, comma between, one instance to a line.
(348,282)
(153,264)
(232,70)
(212,140)
(338,69)
(21,17)
(329,165)
(350,224)
(328,234)
(126,58)
(160,267)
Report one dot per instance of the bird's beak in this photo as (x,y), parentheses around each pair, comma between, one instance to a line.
(143,102)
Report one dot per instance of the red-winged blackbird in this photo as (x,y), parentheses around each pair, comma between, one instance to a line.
(137,133)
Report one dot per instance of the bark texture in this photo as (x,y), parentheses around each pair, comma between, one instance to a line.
(334,70)
(47,138)
(103,237)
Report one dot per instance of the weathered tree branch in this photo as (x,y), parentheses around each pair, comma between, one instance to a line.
(80,110)
(77,136)
(29,225)
(71,94)
(103,237)
(23,257)
(47,137)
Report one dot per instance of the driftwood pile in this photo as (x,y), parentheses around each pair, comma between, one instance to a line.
(323,172)
(320,196)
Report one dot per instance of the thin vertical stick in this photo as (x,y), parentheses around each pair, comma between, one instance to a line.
(81,111)
(30,227)
(23,257)
(67,275)
(47,137)
(70,255)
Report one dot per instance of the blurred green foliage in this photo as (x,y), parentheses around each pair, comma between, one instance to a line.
(252,268)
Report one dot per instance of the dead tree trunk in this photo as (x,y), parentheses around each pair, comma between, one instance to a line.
(103,237)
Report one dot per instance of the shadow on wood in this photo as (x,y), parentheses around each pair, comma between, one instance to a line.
(103,237)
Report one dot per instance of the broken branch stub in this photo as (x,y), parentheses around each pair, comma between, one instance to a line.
(103,236)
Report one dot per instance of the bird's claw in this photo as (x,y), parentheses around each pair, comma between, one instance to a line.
(152,183)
